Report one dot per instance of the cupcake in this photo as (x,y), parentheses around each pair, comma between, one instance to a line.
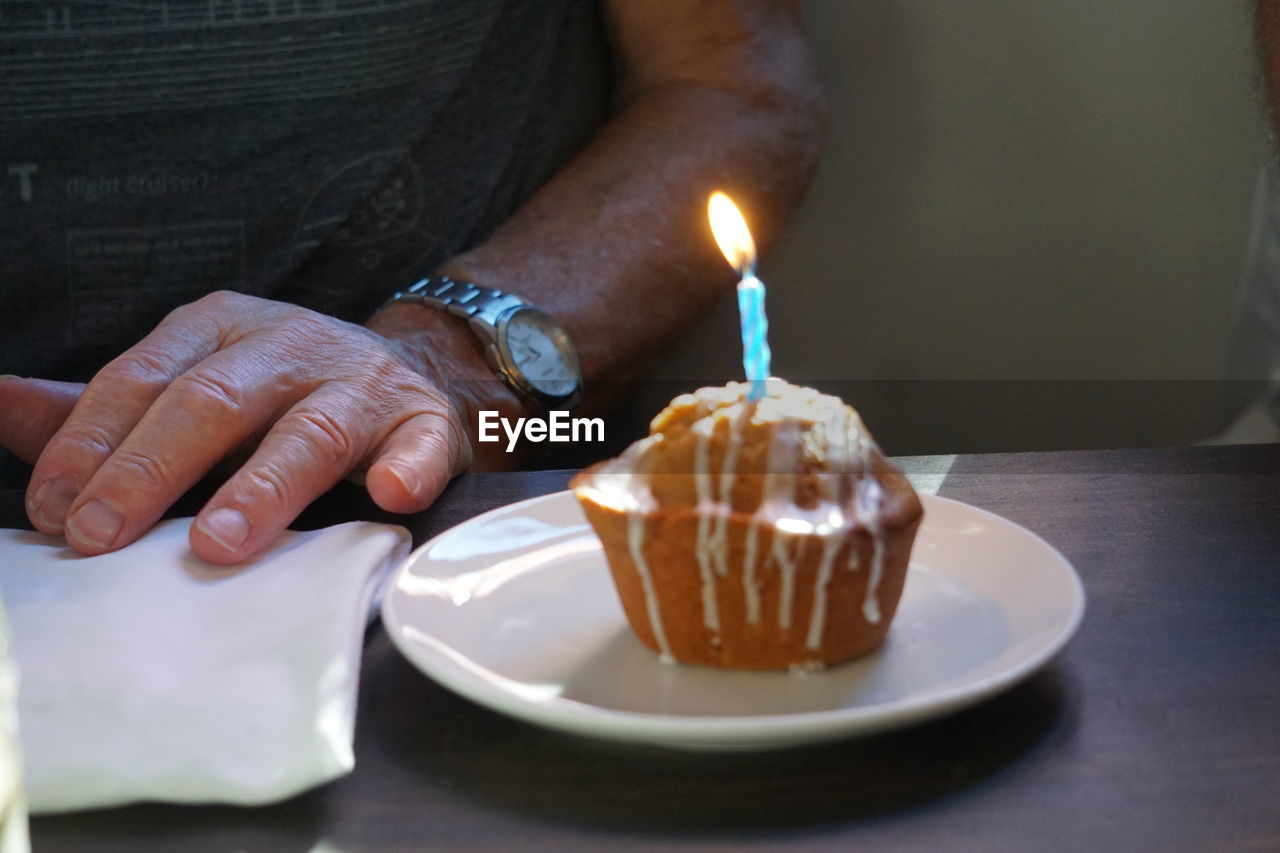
(767,534)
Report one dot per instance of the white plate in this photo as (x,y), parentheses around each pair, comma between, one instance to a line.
(515,609)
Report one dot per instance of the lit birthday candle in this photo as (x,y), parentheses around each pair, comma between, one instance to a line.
(734,239)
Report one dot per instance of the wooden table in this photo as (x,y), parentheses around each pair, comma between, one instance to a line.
(1157,729)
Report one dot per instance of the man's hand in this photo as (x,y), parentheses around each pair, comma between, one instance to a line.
(719,94)
(31,411)
(325,398)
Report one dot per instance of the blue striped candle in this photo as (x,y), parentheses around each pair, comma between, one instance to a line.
(755,334)
(734,238)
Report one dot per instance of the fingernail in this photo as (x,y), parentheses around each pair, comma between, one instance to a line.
(226,526)
(51,500)
(96,523)
(407,479)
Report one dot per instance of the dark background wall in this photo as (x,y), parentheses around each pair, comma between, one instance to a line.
(1028,228)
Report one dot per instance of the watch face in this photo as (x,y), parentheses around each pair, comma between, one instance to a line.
(539,350)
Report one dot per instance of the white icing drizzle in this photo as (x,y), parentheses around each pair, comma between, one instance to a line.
(713,514)
(786,563)
(838,438)
(834,483)
(818,613)
(867,505)
(871,606)
(719,543)
(776,498)
(784,442)
(710,610)
(854,445)
(750,586)
(702,431)
(635,539)
(854,561)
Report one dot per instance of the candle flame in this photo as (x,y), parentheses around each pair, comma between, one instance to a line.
(731,233)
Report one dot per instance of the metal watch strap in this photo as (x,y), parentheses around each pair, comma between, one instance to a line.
(460,298)
(483,309)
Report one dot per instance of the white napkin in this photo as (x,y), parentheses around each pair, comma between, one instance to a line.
(149,674)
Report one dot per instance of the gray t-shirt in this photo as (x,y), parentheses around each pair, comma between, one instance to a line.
(324,152)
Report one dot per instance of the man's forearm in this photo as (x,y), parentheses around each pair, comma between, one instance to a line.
(616,246)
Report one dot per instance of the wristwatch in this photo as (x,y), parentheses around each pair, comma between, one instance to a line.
(526,347)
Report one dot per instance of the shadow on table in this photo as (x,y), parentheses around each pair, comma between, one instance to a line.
(448,742)
(291,827)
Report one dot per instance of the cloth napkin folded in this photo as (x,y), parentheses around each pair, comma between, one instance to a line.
(148,674)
